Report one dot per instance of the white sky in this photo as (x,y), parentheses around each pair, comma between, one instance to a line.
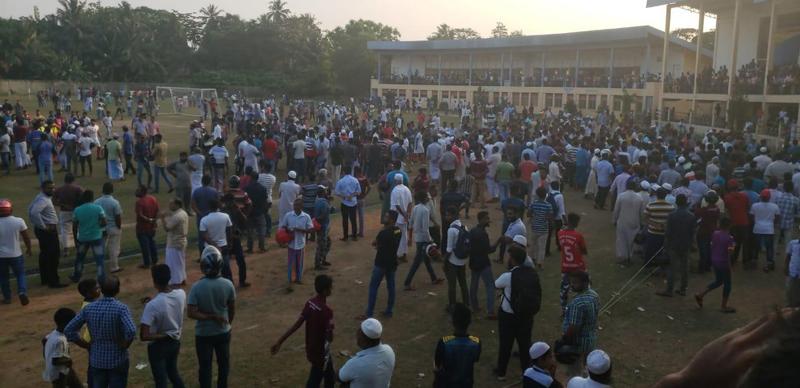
(416,19)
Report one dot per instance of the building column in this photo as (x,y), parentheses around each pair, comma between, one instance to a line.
(510,68)
(502,66)
(768,65)
(697,53)
(610,67)
(645,68)
(577,66)
(541,79)
(409,69)
(379,67)
(732,68)
(440,69)
(665,51)
(469,73)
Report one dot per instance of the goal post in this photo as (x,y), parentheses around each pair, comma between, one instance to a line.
(184,101)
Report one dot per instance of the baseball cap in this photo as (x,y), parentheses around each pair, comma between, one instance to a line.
(372,328)
(598,362)
(765,194)
(733,183)
(538,349)
(521,240)
(292,174)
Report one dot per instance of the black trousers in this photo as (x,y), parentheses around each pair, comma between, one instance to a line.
(600,199)
(49,255)
(323,374)
(349,215)
(129,165)
(739,233)
(555,226)
(511,328)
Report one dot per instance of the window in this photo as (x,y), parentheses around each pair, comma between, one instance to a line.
(462,95)
(581,101)
(515,98)
(604,101)
(548,100)
(534,99)
(496,97)
(414,93)
(401,93)
(525,99)
(617,103)
(592,102)
(445,94)
(558,100)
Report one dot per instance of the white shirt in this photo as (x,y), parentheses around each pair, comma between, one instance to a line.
(249,153)
(401,197)
(793,249)
(764,214)
(219,154)
(86,145)
(9,236)
(369,368)
(299,149)
(297,221)
(452,239)
(504,282)
(585,382)
(55,346)
(268,181)
(5,143)
(217,134)
(215,224)
(164,313)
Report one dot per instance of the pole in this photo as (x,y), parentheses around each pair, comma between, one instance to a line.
(502,66)
(379,67)
(577,66)
(510,68)
(541,79)
(697,59)
(469,76)
(768,65)
(611,68)
(409,69)
(664,60)
(440,69)
(732,68)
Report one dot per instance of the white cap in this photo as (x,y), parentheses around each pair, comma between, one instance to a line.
(655,187)
(598,362)
(667,186)
(681,160)
(521,240)
(645,185)
(292,174)
(398,178)
(372,328)
(689,174)
(538,349)
(763,150)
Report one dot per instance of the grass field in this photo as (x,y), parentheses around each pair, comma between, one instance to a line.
(646,336)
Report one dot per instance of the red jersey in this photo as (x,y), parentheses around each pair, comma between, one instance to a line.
(526,167)
(572,247)
(148,207)
(270,149)
(736,204)
(319,329)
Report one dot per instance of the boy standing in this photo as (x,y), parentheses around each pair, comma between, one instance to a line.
(573,247)
(57,362)
(318,318)
(722,244)
(322,213)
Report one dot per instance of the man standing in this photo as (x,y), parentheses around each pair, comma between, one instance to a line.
(322,213)
(765,215)
(385,245)
(215,230)
(604,172)
(627,218)
(680,228)
(480,266)
(146,216)
(655,214)
(457,354)
(736,206)
(113,212)
(212,303)
(201,205)
(434,153)
(11,230)
(288,192)
(256,221)
(66,198)
(298,224)
(43,217)
(176,223)
(267,179)
(541,214)
(45,152)
(580,319)
(182,171)
(113,151)
(127,150)
(160,162)
(161,326)
(456,258)
(401,202)
(348,188)
(478,169)
(88,228)
(111,324)
(219,163)
(521,300)
(420,229)
(373,366)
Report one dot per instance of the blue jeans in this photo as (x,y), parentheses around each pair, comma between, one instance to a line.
(766,241)
(17,265)
(722,277)
(504,188)
(161,171)
(419,258)
(110,378)
(143,166)
(98,251)
(206,347)
(484,275)
(147,244)
(234,249)
(163,357)
(378,274)
(45,171)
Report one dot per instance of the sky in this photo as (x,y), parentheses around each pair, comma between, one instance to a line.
(416,19)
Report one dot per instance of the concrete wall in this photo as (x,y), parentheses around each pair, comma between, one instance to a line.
(750,16)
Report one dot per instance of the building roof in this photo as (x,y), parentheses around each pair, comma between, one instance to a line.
(580,38)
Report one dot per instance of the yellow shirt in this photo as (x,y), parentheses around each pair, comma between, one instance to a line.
(85,329)
(160,154)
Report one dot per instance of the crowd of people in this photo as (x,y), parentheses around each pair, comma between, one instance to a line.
(783,79)
(669,190)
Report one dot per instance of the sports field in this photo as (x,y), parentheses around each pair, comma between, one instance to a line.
(646,335)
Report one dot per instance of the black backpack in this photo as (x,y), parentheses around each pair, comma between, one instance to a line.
(463,243)
(526,292)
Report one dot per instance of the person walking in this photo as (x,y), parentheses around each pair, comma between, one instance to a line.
(401,201)
(161,326)
(202,198)
(212,304)
(604,171)
(765,215)
(42,215)
(721,247)
(113,163)
(348,189)
(385,245)
(480,265)
(113,235)
(541,214)
(127,150)
(322,214)
(146,217)
(89,227)
(182,171)
(176,223)
(627,219)
(680,228)
(579,327)
(12,230)
(456,256)
(110,322)
(420,224)
(66,198)
(256,218)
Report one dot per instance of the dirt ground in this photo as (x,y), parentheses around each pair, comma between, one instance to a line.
(646,336)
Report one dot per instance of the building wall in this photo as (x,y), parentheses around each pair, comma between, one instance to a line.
(750,16)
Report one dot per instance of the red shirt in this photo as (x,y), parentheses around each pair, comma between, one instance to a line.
(736,204)
(148,207)
(270,149)
(319,328)
(478,169)
(708,216)
(526,167)
(572,247)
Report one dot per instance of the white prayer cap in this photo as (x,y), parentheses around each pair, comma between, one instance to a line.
(521,240)
(372,328)
(292,175)
(598,362)
(645,185)
(667,186)
(681,160)
(538,349)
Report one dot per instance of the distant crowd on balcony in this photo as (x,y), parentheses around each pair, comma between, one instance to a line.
(783,79)
(552,77)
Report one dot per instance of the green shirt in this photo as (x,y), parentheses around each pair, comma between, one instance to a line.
(211,296)
(113,149)
(88,218)
(505,172)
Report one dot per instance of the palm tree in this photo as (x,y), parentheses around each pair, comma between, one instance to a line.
(277,11)
(210,13)
(71,17)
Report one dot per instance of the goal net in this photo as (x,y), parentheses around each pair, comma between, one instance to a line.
(185,101)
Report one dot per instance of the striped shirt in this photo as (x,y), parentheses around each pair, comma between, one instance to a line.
(582,313)
(110,323)
(656,213)
(540,211)
(790,208)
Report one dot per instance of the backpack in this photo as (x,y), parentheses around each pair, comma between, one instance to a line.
(526,292)
(463,243)
(551,199)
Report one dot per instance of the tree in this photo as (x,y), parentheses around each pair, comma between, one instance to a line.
(516,33)
(690,35)
(278,12)
(445,32)
(465,33)
(500,30)
(71,17)
(350,60)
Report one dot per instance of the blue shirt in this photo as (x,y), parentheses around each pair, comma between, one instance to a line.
(111,208)
(110,322)
(127,143)
(540,212)
(347,188)
(604,172)
(46,152)
(211,295)
(322,212)
(457,357)
(202,197)
(544,153)
(390,178)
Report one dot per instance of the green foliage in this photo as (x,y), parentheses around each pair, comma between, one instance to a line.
(445,32)
(350,60)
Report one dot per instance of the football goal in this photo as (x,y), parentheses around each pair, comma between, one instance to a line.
(185,101)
